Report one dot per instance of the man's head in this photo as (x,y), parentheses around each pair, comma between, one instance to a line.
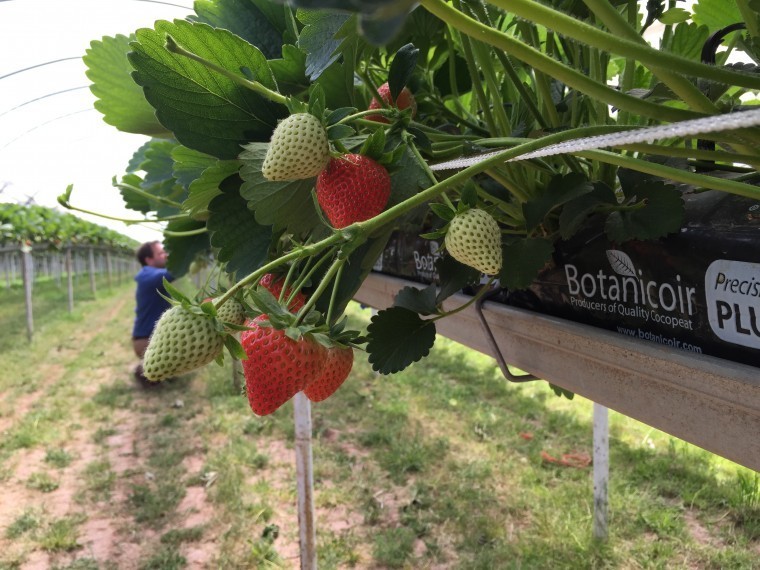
(152,254)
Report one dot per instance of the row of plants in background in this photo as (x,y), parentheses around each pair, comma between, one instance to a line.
(292,141)
(38,225)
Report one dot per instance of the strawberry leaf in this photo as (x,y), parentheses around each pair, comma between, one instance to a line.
(421,301)
(454,276)
(523,259)
(241,243)
(660,213)
(205,110)
(119,98)
(398,337)
(402,68)
(339,114)
(374,146)
(561,189)
(284,205)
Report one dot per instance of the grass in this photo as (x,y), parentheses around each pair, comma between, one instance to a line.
(440,465)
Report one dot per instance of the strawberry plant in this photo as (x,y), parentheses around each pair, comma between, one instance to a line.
(505,126)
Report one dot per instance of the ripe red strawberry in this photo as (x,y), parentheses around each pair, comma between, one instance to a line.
(340,360)
(274,283)
(353,188)
(404,100)
(278,367)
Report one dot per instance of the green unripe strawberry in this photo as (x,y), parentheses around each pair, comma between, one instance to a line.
(474,238)
(298,149)
(182,341)
(231,312)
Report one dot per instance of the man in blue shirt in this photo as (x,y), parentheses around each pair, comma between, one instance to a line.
(150,305)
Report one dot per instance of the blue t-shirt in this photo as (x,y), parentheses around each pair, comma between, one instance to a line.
(150,305)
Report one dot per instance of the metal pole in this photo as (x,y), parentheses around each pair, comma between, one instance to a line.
(27,263)
(601,469)
(305,482)
(109,269)
(7,264)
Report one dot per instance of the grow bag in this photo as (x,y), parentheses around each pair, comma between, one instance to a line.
(696,291)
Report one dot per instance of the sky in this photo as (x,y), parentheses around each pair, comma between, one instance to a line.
(51,142)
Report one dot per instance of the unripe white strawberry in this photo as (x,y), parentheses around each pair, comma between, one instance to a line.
(298,149)
(474,238)
(231,312)
(182,341)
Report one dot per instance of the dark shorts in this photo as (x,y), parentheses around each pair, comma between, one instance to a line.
(140,337)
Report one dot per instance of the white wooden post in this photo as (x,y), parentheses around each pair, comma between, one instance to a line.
(601,469)
(91,256)
(109,269)
(69,279)
(27,266)
(8,262)
(305,482)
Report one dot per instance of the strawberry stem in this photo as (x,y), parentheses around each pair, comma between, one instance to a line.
(331,272)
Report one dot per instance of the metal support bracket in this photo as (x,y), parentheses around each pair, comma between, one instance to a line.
(495,350)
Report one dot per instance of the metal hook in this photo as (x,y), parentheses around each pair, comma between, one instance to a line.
(495,350)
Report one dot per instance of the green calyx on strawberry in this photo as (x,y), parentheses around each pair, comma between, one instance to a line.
(353,188)
(474,239)
(405,100)
(298,149)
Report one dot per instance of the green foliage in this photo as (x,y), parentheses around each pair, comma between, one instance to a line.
(120,99)
(483,78)
(45,226)
(205,110)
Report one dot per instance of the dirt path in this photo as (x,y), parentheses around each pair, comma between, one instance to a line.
(90,489)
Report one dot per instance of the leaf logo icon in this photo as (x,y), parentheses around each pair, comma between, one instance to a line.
(621,263)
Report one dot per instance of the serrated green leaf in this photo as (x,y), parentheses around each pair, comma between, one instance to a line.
(716,14)
(674,16)
(561,189)
(398,337)
(402,67)
(268,304)
(158,164)
(687,41)
(338,132)
(374,146)
(207,186)
(285,205)
(317,100)
(453,277)
(339,114)
(318,40)
(138,157)
(469,195)
(661,215)
(290,70)
(189,164)
(133,200)
(421,301)
(245,19)
(523,259)
(443,211)
(183,250)
(241,243)
(576,211)
(435,234)
(119,98)
(205,110)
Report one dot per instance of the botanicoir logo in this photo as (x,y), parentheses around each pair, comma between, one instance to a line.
(625,291)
